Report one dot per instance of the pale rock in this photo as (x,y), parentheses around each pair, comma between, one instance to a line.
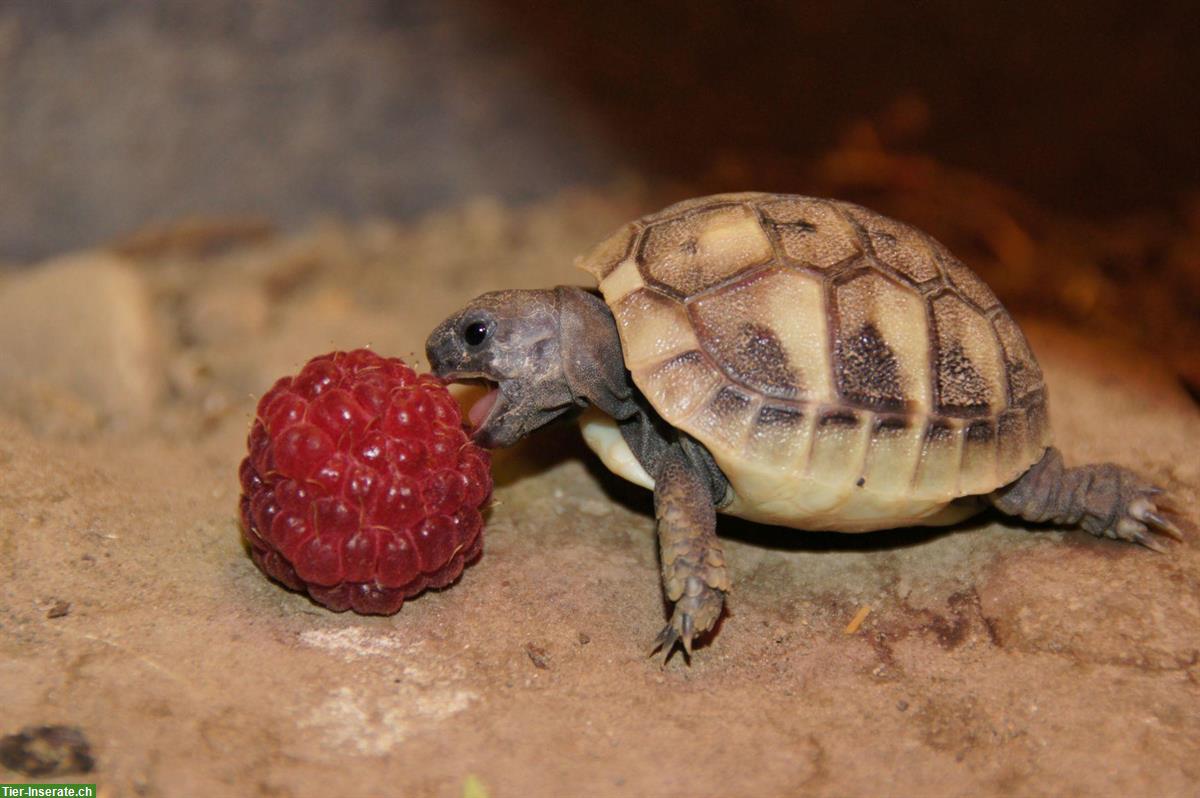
(82,325)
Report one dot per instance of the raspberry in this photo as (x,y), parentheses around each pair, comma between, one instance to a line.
(361,486)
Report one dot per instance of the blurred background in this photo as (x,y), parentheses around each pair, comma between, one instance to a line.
(116,113)
(1053,146)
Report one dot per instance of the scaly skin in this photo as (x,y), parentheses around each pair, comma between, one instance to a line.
(694,576)
(1104,499)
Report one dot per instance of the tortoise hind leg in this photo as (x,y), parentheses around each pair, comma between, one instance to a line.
(1104,499)
(693,565)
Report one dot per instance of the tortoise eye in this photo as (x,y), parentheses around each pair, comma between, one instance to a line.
(475,333)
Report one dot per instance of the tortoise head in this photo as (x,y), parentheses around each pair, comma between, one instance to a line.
(511,342)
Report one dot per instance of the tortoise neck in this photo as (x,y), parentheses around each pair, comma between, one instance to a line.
(593,363)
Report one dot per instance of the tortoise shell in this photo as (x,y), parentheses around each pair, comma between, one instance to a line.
(844,369)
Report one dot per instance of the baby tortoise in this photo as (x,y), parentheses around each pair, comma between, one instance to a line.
(793,361)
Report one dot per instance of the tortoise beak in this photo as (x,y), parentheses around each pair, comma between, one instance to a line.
(442,351)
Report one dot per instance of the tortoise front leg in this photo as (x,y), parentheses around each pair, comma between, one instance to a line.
(693,565)
(1105,499)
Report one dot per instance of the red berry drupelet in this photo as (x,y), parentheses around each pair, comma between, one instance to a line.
(361,486)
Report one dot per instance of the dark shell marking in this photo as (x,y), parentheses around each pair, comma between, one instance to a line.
(868,376)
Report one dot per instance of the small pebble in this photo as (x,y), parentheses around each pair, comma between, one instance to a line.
(538,656)
(47,752)
(59,609)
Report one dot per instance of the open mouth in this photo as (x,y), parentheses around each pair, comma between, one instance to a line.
(485,406)
(482,409)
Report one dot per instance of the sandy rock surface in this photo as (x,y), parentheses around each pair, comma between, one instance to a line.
(81,328)
(993,659)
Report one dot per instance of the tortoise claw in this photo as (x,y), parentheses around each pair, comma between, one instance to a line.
(692,617)
(670,637)
(665,641)
(1145,512)
(1164,526)
(689,632)
(1150,542)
